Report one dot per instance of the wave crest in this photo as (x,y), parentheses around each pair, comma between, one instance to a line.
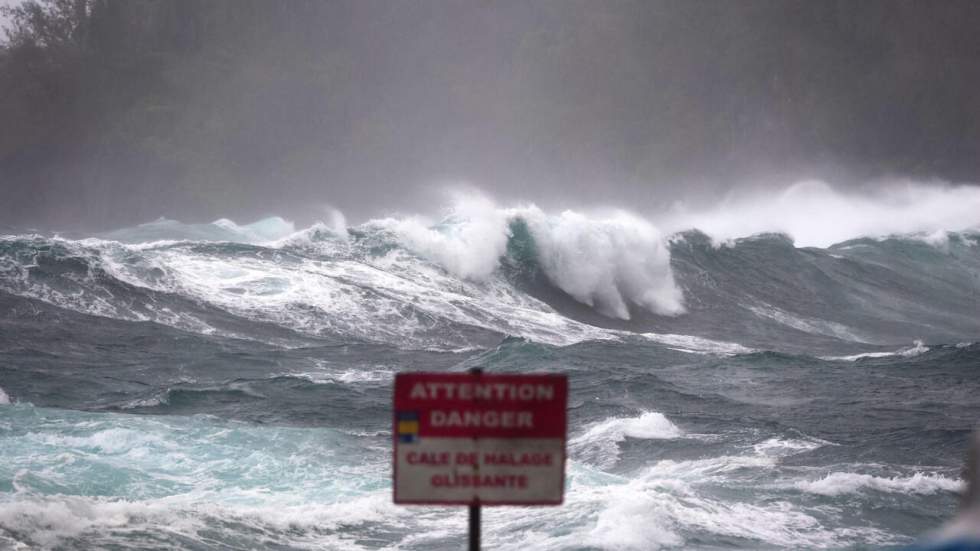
(815,214)
(839,483)
(481,273)
(607,263)
(599,444)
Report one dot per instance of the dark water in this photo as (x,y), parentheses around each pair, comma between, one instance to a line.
(221,390)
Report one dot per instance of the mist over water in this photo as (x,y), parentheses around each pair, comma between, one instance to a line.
(814,213)
(197,110)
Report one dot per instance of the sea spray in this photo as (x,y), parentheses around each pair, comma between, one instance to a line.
(605,262)
(815,214)
(608,263)
(838,483)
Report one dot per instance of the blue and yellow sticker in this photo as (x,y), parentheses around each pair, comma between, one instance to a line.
(408,426)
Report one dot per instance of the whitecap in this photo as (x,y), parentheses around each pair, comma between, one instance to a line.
(916,349)
(839,483)
(599,443)
(53,521)
(815,214)
(659,508)
(606,262)
(151,402)
(347,376)
(698,345)
(779,447)
(807,325)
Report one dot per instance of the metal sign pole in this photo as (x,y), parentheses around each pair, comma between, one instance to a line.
(475,507)
(475,527)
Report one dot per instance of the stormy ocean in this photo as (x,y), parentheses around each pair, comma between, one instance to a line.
(228,386)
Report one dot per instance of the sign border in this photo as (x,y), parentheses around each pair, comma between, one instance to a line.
(477,502)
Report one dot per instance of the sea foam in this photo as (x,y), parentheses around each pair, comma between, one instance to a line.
(697,345)
(815,214)
(916,349)
(607,262)
(599,443)
(839,483)
(444,283)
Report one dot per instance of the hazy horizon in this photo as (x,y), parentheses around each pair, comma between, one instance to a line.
(198,111)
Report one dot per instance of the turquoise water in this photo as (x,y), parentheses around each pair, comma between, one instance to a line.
(232,391)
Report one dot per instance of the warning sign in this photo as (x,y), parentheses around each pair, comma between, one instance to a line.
(468,438)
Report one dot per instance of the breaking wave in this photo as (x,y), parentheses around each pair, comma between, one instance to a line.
(603,262)
(195,479)
(839,483)
(482,273)
(599,443)
(815,214)
(916,349)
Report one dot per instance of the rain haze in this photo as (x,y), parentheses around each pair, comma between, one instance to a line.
(281,274)
(200,110)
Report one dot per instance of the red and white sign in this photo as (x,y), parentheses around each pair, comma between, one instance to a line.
(468,438)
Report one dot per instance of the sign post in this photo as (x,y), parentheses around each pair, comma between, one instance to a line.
(476,439)
(474,527)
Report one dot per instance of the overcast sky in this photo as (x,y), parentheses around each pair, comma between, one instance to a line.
(564,103)
(3,19)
